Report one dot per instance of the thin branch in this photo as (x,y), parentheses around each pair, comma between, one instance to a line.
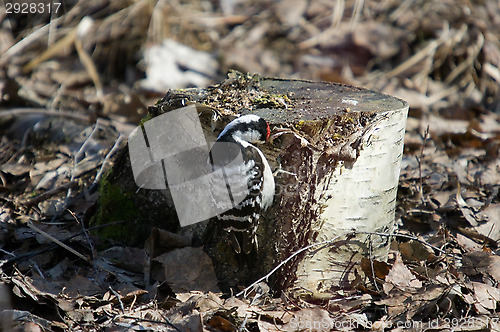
(52,246)
(371,264)
(4,181)
(242,326)
(80,153)
(325,243)
(106,161)
(49,193)
(83,29)
(85,232)
(44,111)
(419,161)
(118,297)
(169,322)
(50,237)
(411,237)
(26,41)
(79,156)
(139,319)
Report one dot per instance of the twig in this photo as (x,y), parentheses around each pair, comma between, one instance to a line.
(372,267)
(50,52)
(469,62)
(114,317)
(411,237)
(4,181)
(242,326)
(353,297)
(338,14)
(118,297)
(426,52)
(85,232)
(133,303)
(166,322)
(79,154)
(49,193)
(34,36)
(7,252)
(83,29)
(169,322)
(50,237)
(326,242)
(106,161)
(358,7)
(78,157)
(419,161)
(88,118)
(34,253)
(44,111)
(474,235)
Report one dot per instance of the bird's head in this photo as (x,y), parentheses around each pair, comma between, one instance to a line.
(249,128)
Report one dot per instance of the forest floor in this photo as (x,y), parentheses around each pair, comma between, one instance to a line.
(71,91)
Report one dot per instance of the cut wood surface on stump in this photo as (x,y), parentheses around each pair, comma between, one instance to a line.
(336,153)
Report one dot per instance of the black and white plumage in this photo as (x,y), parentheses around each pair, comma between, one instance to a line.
(248,180)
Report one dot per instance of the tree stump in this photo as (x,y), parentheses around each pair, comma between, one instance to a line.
(336,150)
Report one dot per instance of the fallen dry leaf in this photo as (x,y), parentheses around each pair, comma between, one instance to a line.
(187,269)
(416,251)
(401,278)
(483,297)
(16,169)
(375,268)
(481,263)
(311,319)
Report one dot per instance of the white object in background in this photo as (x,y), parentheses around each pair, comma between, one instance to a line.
(172,65)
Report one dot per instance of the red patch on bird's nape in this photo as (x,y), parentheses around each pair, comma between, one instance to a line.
(268,132)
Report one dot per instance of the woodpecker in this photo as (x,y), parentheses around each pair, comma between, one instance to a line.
(249,181)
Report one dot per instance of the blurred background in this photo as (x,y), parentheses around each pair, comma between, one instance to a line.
(114,58)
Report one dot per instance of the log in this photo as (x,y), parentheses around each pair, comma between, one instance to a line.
(336,150)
